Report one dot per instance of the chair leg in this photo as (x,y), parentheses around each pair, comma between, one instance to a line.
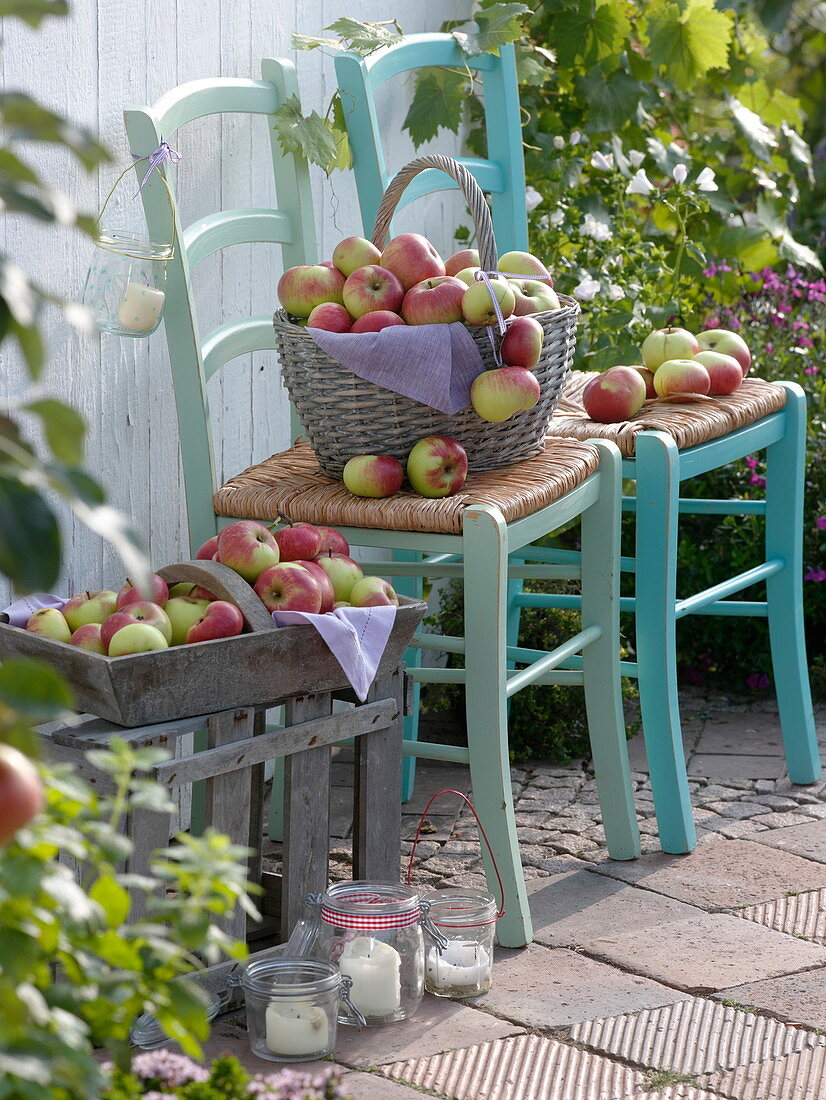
(485,589)
(785,474)
(410,586)
(658,488)
(600,660)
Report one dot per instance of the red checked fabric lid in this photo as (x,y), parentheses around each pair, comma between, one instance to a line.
(370,906)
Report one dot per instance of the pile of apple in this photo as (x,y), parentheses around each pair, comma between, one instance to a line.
(299,568)
(676,364)
(436,467)
(364,289)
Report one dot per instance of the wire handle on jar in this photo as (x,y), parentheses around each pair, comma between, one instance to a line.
(346,985)
(428,926)
(472,809)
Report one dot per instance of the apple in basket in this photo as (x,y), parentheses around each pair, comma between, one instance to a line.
(332,541)
(373,592)
(477,305)
(144,612)
(533,296)
(48,622)
(372,287)
(342,572)
(183,612)
(136,638)
(437,466)
(676,377)
(729,343)
(522,343)
(468,275)
(328,594)
(248,547)
(373,475)
(436,301)
(300,289)
(411,257)
(219,619)
(289,587)
(614,395)
(298,542)
(497,394)
(354,252)
(668,343)
(526,265)
(331,317)
(377,320)
(461,261)
(157,592)
(207,551)
(89,607)
(88,637)
(725,373)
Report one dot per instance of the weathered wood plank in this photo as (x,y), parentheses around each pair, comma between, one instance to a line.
(378,772)
(149,831)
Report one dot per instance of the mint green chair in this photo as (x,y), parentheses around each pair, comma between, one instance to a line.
(472,542)
(656,461)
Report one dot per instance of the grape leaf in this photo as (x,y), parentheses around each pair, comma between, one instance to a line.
(761,139)
(611,100)
(799,150)
(338,128)
(773,105)
(533,67)
(688,38)
(314,42)
(437,104)
(773,219)
(498,24)
(308,135)
(364,38)
(590,32)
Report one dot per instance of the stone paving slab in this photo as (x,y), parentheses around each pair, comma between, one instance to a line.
(730,765)
(675,1092)
(575,908)
(437,1025)
(720,876)
(691,1037)
(545,988)
(736,734)
(799,1076)
(796,998)
(801,915)
(709,953)
(529,1067)
(802,840)
(370,1086)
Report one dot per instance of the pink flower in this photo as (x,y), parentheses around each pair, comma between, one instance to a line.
(760,482)
(820,523)
(758,681)
(816,575)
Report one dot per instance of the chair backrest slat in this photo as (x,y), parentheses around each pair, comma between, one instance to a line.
(235,338)
(217,231)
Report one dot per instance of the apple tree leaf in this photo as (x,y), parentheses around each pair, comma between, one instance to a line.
(437,103)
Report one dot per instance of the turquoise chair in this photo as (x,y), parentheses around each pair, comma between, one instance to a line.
(657,467)
(472,542)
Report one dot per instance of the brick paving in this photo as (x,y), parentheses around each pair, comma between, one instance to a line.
(666,978)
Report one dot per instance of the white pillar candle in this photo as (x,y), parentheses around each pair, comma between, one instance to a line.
(375,969)
(296,1027)
(140,307)
(460,965)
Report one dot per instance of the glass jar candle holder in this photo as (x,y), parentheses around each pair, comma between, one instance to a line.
(126,283)
(292,1007)
(467,920)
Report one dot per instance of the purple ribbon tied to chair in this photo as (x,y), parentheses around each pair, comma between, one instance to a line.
(159,156)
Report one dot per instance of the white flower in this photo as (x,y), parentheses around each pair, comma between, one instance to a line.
(532,198)
(559,142)
(615,292)
(591,227)
(587,289)
(705,181)
(575,138)
(636,158)
(603,162)
(640,184)
(557,218)
(680,172)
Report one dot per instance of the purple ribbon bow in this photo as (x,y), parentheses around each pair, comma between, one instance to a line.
(485,277)
(163,153)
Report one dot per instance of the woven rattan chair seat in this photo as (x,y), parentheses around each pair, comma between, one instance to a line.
(689,423)
(292,483)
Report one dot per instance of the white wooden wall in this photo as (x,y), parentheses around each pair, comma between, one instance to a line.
(115,53)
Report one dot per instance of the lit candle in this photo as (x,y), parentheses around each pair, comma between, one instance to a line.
(140,307)
(460,965)
(375,969)
(296,1027)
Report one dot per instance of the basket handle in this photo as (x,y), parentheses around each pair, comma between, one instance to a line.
(225,584)
(488,255)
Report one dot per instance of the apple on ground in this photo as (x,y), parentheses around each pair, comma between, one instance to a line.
(668,343)
(497,394)
(725,373)
(219,619)
(298,542)
(477,304)
(373,476)
(354,252)
(332,541)
(342,571)
(48,622)
(21,791)
(647,377)
(727,342)
(289,587)
(300,289)
(533,296)
(129,593)
(411,257)
(331,317)
(143,612)
(614,395)
(522,343)
(183,612)
(460,261)
(182,588)
(468,275)
(136,638)
(328,595)
(373,592)
(436,301)
(678,377)
(370,288)
(437,466)
(248,547)
(376,320)
(526,265)
(88,637)
(89,607)
(208,550)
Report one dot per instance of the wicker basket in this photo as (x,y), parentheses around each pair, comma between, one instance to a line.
(345,416)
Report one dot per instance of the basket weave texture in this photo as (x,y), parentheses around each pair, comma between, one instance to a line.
(689,423)
(343,415)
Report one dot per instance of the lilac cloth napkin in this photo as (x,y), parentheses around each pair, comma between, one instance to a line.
(434,364)
(18,613)
(356,636)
